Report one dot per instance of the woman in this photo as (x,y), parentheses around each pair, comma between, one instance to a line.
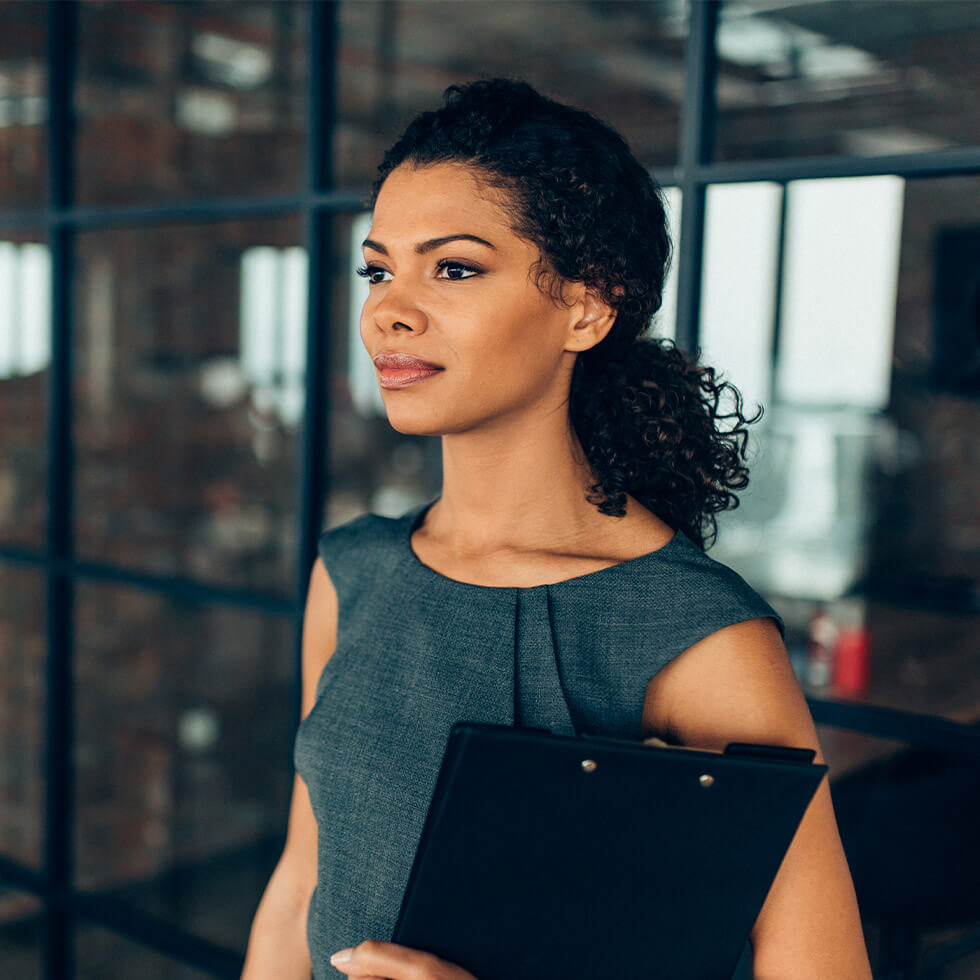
(516,256)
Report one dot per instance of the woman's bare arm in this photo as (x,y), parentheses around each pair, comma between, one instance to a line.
(737,685)
(277,944)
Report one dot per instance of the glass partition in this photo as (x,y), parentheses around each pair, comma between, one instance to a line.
(189,388)
(188,100)
(865,78)
(23,104)
(183,735)
(21,920)
(857,518)
(100,953)
(623,61)
(25,365)
(22,704)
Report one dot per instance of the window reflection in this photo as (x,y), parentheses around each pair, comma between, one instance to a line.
(25,298)
(738,295)
(840,274)
(189,770)
(834,255)
(183,100)
(23,104)
(865,78)
(25,356)
(188,390)
(272,330)
(22,704)
(862,494)
(21,929)
(100,952)
(623,61)
(802,525)
(801,528)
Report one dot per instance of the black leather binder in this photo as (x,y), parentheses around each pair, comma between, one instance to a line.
(556,857)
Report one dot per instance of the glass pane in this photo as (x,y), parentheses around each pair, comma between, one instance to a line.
(23,104)
(186,100)
(22,701)
(180,795)
(189,382)
(878,76)
(665,319)
(622,61)
(738,298)
(20,935)
(100,953)
(25,360)
(907,819)
(842,245)
(862,503)
(936,381)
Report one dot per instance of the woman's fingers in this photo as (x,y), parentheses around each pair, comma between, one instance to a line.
(374,959)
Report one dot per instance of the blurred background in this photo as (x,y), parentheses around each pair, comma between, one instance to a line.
(185,403)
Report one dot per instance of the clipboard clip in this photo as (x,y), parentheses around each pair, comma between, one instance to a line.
(757,750)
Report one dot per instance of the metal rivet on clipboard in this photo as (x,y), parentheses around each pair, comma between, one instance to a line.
(706,780)
(589,765)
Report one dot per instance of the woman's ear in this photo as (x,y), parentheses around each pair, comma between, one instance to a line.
(595,321)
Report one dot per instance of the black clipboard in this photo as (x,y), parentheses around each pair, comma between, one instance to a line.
(557,857)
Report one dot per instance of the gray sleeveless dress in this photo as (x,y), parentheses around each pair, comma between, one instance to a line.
(417,652)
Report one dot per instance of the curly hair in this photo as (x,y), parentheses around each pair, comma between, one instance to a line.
(644,411)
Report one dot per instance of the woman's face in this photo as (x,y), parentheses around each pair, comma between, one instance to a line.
(505,347)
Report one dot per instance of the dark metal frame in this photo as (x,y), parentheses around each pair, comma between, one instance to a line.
(318,202)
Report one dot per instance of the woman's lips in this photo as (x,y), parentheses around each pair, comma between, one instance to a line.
(405,377)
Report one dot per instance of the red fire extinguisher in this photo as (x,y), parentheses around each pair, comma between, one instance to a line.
(852,654)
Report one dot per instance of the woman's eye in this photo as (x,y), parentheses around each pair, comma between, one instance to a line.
(369,271)
(450,264)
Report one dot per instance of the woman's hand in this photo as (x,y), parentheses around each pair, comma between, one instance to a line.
(377,960)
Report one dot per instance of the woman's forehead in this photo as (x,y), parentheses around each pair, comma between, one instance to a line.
(441,190)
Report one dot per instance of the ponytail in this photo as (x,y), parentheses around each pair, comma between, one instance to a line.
(646,418)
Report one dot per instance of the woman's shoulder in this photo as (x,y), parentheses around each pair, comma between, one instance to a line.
(685,590)
(705,589)
(360,526)
(366,540)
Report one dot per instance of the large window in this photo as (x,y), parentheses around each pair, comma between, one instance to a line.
(185,403)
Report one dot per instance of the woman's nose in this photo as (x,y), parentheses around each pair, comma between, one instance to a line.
(397,310)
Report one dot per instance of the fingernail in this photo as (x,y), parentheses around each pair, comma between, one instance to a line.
(342,956)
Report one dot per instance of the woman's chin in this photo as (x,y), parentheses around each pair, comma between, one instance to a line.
(409,425)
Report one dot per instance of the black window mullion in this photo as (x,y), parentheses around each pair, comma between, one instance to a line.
(318,221)
(947,162)
(775,347)
(58,947)
(697,127)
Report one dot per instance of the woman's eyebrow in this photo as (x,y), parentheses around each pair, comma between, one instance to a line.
(422,247)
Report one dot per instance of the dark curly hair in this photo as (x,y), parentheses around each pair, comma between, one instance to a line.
(643,410)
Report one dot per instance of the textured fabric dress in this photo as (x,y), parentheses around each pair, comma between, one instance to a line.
(417,651)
